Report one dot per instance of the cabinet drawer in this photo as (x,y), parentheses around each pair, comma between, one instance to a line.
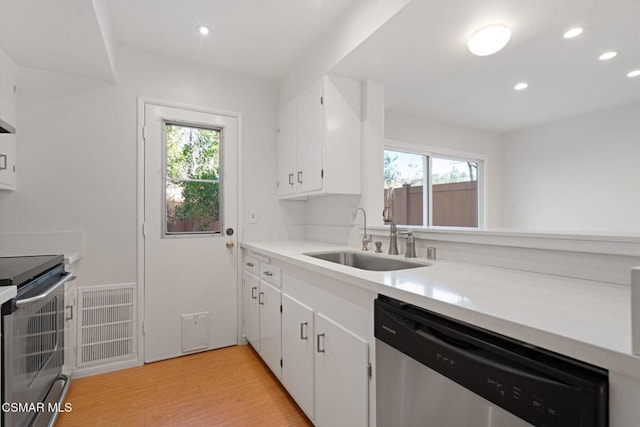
(251,265)
(270,274)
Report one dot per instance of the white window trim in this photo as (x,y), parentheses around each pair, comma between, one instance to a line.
(439,152)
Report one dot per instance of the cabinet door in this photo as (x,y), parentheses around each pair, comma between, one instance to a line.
(310,138)
(7,90)
(341,374)
(297,352)
(270,328)
(251,310)
(287,151)
(7,161)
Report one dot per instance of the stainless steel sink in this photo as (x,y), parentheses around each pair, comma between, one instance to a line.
(365,261)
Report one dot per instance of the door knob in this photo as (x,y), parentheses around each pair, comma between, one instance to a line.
(230,244)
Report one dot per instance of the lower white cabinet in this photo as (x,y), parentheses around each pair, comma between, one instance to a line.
(321,362)
(262,314)
(341,376)
(251,310)
(297,352)
(270,333)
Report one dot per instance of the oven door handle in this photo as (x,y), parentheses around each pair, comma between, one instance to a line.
(45,294)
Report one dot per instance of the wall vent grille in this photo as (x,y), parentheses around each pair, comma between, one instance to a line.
(107,324)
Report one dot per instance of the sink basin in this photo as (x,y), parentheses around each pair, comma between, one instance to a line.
(365,261)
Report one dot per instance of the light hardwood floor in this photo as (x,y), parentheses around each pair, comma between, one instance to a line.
(226,387)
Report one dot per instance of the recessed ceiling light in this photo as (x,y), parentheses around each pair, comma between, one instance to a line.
(521,86)
(573,32)
(608,55)
(203,29)
(489,40)
(634,73)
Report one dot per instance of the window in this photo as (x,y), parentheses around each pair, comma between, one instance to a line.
(191,179)
(453,188)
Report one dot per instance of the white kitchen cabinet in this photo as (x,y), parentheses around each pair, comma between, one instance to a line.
(341,376)
(297,352)
(319,141)
(270,332)
(7,161)
(287,151)
(262,313)
(251,307)
(7,92)
(310,137)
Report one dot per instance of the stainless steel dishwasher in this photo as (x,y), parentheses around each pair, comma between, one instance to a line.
(435,371)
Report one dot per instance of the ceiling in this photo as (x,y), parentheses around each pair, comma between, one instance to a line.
(420,56)
(253,37)
(66,36)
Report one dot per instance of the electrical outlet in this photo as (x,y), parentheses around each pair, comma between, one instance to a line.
(253,219)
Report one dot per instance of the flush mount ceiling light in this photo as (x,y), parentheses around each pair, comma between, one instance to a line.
(489,40)
(634,73)
(608,55)
(521,86)
(203,29)
(573,32)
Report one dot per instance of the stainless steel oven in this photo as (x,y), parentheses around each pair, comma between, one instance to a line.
(33,344)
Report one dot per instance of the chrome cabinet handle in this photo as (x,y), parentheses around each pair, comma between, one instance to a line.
(249,264)
(3,157)
(268,273)
(303,335)
(253,294)
(299,177)
(261,300)
(290,179)
(70,307)
(318,349)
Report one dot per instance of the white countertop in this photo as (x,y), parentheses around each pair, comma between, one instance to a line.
(6,293)
(587,320)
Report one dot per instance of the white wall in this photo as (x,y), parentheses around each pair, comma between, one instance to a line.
(576,175)
(77,155)
(361,19)
(422,131)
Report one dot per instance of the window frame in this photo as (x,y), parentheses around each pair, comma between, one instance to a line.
(445,153)
(164,178)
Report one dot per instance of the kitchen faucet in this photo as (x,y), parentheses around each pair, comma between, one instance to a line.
(388,217)
(365,240)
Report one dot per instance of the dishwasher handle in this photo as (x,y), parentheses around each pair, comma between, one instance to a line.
(444,349)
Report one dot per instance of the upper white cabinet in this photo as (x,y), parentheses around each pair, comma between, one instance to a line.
(7,161)
(7,93)
(319,140)
(7,122)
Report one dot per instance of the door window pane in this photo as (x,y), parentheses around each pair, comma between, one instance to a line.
(192,185)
